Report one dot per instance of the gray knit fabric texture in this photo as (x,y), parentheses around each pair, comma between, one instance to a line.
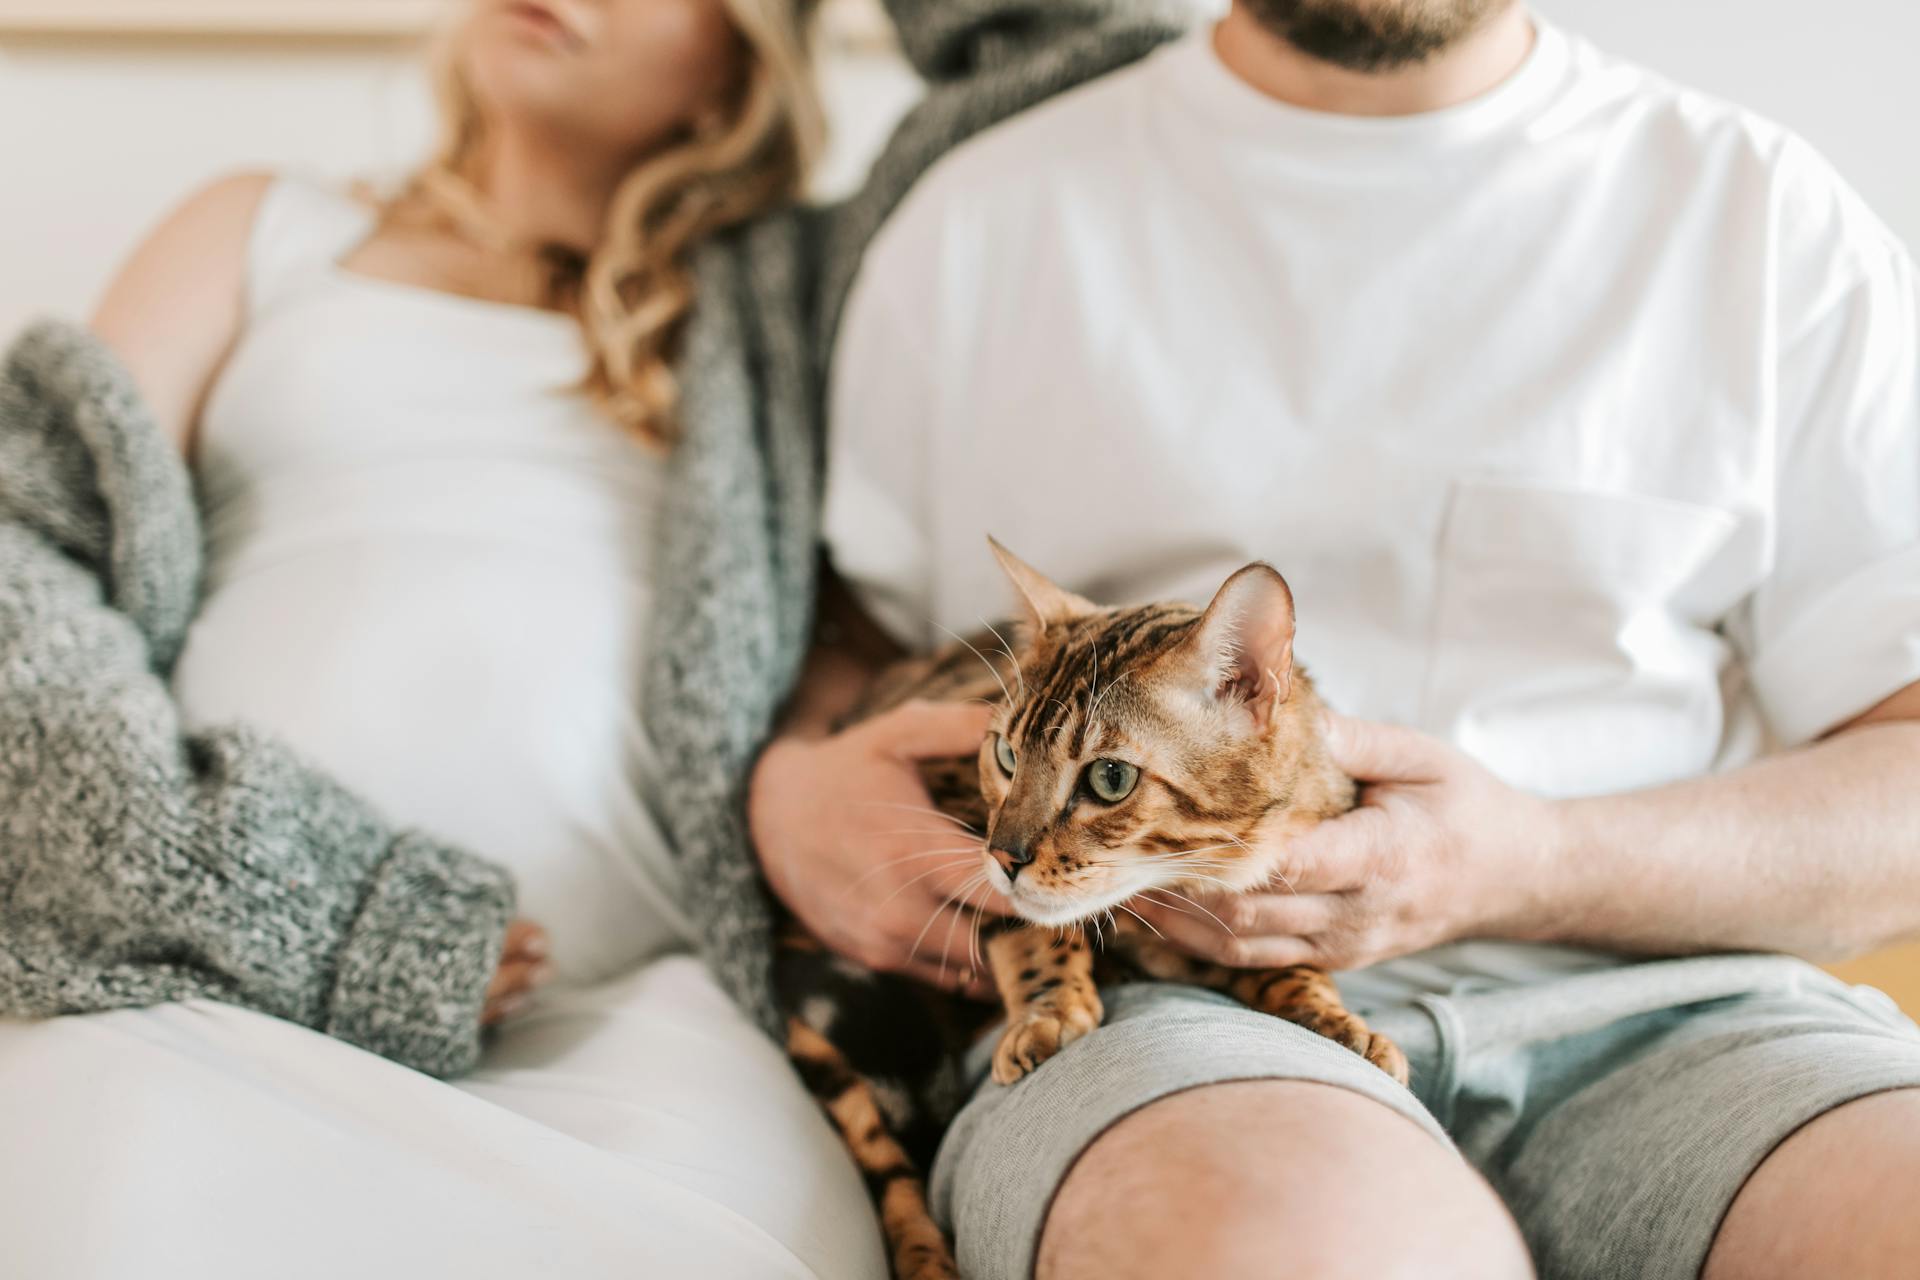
(738,542)
(139,864)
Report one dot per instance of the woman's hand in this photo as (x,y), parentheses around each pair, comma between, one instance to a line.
(1438,850)
(851,842)
(523,966)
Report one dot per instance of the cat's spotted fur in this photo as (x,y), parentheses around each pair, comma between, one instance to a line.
(1218,736)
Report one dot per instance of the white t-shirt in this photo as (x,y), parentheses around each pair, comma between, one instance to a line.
(1583,418)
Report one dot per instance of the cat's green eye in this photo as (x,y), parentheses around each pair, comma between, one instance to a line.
(1003,753)
(1112,781)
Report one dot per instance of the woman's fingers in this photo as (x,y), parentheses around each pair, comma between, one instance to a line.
(523,966)
(518,977)
(510,989)
(525,940)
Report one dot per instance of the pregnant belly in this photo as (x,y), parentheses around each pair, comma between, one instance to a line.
(485,695)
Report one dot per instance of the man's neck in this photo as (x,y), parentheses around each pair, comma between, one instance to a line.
(1456,74)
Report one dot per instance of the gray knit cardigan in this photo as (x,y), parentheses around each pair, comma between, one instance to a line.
(738,544)
(140,864)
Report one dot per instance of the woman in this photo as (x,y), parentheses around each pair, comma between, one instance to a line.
(428,438)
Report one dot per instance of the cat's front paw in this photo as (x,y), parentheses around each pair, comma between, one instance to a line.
(1355,1034)
(1039,1033)
(1386,1055)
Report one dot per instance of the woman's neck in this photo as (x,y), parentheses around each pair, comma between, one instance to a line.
(541,193)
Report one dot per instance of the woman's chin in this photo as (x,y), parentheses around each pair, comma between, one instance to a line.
(519,79)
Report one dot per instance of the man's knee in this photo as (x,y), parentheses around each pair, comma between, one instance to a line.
(1275,1178)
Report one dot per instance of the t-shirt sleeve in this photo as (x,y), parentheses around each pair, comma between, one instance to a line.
(881,405)
(1835,627)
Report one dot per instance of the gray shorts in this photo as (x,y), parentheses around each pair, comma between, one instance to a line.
(1671,1081)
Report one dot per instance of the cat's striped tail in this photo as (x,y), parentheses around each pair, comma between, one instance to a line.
(917,1245)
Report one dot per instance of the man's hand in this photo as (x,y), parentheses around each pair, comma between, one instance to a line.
(1439,849)
(851,842)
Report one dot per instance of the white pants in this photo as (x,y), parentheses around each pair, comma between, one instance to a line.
(635,1130)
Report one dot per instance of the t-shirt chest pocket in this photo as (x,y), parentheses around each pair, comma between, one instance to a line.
(1573,642)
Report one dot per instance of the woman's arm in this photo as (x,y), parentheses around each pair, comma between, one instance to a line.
(176,307)
(142,864)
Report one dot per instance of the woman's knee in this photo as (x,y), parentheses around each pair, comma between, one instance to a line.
(1280,1178)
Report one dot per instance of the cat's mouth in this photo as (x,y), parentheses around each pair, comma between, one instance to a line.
(1057,908)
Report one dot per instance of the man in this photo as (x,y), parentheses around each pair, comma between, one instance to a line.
(1583,414)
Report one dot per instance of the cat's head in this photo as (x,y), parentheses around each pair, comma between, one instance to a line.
(1159,747)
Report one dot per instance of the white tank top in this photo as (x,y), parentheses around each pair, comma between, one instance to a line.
(429,572)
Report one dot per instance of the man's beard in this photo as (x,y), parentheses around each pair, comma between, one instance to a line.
(1372,35)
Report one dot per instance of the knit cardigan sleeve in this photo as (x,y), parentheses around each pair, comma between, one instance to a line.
(737,538)
(140,863)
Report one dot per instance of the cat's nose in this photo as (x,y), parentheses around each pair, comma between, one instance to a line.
(1011,860)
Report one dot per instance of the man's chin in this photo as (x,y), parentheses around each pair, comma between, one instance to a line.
(1373,37)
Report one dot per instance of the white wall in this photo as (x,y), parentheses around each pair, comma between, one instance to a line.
(97,137)
(1842,73)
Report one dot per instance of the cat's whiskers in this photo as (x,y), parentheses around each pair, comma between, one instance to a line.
(946,943)
(1183,855)
(1006,692)
(966,888)
(1143,920)
(1200,864)
(973,943)
(890,863)
(1276,873)
(1018,675)
(1205,848)
(903,887)
(967,827)
(1216,919)
(1171,906)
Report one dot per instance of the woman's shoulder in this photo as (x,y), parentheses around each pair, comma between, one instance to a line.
(213,230)
(215,218)
(230,197)
(178,301)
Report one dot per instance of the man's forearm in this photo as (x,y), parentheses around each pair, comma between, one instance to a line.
(1815,852)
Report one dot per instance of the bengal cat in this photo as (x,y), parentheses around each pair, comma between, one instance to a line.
(1134,753)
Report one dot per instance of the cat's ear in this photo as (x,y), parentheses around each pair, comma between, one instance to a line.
(1048,605)
(1243,645)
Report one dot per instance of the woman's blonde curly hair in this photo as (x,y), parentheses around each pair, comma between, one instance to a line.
(633,293)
